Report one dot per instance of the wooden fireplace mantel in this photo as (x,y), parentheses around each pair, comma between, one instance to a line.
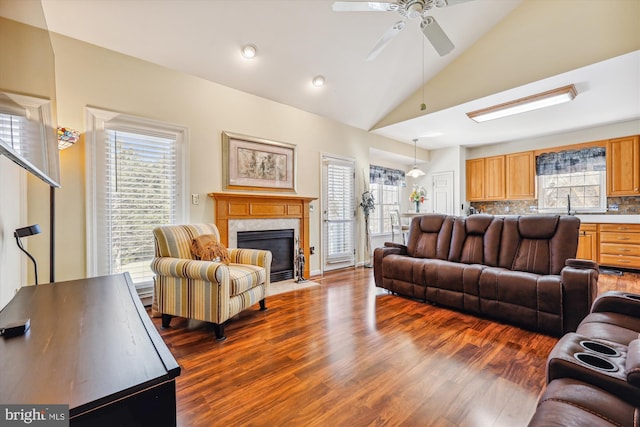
(262,206)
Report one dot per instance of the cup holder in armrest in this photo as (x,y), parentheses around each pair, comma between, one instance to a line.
(595,361)
(600,348)
(632,296)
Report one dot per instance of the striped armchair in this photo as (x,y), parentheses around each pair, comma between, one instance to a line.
(205,290)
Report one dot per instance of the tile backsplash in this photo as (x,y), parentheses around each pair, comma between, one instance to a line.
(625,206)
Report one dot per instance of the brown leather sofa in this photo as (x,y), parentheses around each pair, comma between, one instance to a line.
(517,269)
(593,375)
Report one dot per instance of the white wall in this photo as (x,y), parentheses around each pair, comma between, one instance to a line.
(87,75)
(12,216)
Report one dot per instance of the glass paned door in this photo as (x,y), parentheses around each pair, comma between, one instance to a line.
(338,211)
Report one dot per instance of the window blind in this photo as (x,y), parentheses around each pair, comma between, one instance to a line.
(139,193)
(11,131)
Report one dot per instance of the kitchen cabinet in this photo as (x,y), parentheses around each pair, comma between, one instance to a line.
(486,179)
(623,166)
(520,177)
(494,178)
(475,180)
(619,245)
(588,242)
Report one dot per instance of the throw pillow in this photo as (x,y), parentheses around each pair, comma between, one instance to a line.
(207,248)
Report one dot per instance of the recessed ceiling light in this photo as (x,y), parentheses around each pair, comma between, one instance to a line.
(318,81)
(248,51)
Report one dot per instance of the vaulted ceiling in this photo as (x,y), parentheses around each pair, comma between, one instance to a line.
(504,49)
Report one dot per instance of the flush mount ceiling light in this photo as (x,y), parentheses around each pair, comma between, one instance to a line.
(529,103)
(318,81)
(248,51)
(415,172)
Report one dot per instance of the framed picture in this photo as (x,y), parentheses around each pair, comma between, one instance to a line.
(250,163)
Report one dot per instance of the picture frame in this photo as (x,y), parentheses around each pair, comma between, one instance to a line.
(250,163)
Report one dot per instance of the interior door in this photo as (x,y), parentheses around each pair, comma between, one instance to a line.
(338,213)
(443,192)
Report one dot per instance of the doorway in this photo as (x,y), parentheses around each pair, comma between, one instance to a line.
(442,183)
(338,212)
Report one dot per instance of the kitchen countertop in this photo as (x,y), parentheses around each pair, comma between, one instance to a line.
(610,219)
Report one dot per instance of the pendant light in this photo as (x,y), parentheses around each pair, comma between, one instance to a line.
(415,172)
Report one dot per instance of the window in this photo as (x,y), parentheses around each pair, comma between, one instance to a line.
(27,137)
(572,180)
(385,185)
(387,199)
(136,185)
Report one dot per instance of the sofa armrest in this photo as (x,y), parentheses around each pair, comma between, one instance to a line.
(617,302)
(580,287)
(189,269)
(389,248)
(582,263)
(403,248)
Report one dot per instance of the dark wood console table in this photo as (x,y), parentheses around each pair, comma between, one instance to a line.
(92,346)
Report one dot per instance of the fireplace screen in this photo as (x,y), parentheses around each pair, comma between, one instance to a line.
(279,242)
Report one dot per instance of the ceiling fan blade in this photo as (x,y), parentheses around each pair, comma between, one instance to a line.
(363,6)
(385,39)
(444,3)
(433,32)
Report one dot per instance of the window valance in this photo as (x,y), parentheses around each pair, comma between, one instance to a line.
(583,160)
(386,176)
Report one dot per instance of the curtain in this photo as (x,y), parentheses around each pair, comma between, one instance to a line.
(583,160)
(386,176)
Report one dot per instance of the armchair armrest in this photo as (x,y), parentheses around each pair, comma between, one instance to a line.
(617,302)
(210,271)
(580,287)
(261,258)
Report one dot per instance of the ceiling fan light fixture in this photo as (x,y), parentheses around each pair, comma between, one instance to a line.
(248,51)
(415,172)
(534,102)
(415,9)
(318,81)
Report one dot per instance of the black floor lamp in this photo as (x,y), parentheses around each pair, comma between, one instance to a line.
(26,232)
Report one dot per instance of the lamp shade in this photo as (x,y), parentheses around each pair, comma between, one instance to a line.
(415,172)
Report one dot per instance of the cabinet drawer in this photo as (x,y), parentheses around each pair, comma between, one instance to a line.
(588,227)
(610,237)
(626,261)
(625,228)
(619,249)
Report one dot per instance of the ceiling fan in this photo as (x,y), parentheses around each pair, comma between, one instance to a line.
(408,9)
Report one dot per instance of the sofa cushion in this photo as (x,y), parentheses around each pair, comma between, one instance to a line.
(538,244)
(244,277)
(404,275)
(530,300)
(430,236)
(453,284)
(567,402)
(476,240)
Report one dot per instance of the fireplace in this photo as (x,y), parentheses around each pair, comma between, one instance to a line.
(279,242)
(235,212)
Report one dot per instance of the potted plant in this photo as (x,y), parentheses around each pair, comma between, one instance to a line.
(367,203)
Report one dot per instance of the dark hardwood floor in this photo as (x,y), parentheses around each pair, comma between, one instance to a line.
(348,354)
